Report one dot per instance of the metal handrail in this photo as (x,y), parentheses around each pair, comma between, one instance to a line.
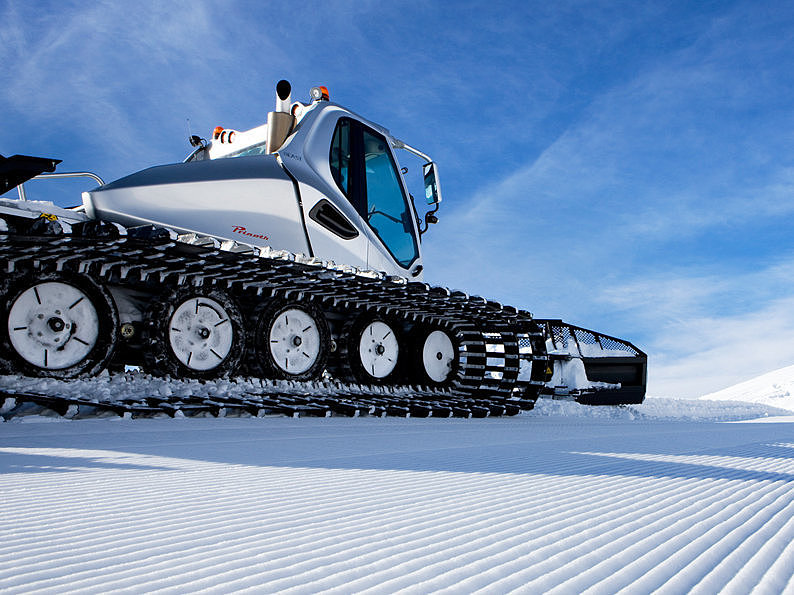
(65,174)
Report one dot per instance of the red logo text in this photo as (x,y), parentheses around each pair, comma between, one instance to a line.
(243,231)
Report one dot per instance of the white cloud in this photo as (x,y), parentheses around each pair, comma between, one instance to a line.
(707,354)
(116,75)
(707,332)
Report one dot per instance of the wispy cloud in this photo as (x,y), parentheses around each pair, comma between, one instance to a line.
(710,330)
(123,74)
(700,355)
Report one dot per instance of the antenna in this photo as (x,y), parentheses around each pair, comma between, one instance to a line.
(193,139)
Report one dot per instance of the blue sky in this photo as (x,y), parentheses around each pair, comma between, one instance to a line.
(625,166)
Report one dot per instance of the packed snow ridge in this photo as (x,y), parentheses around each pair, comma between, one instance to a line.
(732,406)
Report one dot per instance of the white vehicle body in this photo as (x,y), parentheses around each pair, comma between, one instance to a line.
(233,189)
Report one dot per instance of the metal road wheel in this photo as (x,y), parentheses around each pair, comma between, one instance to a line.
(291,341)
(373,350)
(59,326)
(200,333)
(194,334)
(378,349)
(439,357)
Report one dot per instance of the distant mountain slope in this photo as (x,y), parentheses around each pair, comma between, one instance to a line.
(775,389)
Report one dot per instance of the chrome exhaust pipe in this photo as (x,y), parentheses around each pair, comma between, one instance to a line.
(280,122)
(283,96)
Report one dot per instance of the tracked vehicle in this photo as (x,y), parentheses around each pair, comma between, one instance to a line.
(291,251)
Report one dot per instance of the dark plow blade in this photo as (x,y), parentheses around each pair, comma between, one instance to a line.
(616,368)
(18,169)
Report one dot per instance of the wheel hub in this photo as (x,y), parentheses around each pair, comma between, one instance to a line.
(56,324)
(53,325)
(294,339)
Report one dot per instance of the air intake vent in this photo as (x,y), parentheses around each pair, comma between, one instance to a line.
(329,217)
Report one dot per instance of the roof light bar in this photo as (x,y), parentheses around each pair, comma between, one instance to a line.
(319,93)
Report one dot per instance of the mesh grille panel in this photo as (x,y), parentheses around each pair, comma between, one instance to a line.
(578,341)
(586,337)
(613,345)
(524,344)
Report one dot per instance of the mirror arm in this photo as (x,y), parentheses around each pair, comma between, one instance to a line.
(430,217)
(398,144)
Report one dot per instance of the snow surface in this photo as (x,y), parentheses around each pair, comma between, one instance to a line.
(564,499)
(775,389)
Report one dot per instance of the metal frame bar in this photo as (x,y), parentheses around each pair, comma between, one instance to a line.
(66,174)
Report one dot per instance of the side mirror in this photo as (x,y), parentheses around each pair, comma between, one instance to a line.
(432,190)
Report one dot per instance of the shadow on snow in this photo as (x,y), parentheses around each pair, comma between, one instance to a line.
(522,446)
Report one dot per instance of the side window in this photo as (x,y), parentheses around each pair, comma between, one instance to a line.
(364,170)
(387,210)
(340,156)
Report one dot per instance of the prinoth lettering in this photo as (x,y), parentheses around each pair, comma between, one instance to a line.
(243,231)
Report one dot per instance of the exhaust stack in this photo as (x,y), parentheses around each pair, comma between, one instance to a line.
(281,121)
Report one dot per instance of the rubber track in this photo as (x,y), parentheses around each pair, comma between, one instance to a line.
(308,400)
(488,332)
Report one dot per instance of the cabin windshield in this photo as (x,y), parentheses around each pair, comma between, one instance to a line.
(365,172)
